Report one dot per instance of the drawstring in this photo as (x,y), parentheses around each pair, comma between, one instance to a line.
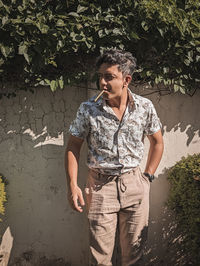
(119,179)
(122,185)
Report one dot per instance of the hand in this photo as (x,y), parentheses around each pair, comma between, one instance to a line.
(75,197)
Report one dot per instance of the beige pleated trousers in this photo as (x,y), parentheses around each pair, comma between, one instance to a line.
(117,201)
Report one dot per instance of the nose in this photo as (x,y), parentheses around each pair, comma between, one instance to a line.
(102,81)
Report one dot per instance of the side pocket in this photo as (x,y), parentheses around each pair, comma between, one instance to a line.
(145,178)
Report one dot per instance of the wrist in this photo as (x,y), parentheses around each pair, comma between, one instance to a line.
(72,184)
(150,176)
(149,171)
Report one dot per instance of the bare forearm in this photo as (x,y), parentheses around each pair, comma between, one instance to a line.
(72,155)
(71,166)
(155,152)
(154,157)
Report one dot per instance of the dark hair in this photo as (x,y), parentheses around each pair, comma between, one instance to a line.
(125,60)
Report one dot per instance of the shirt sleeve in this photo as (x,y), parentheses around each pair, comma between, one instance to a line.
(153,124)
(79,127)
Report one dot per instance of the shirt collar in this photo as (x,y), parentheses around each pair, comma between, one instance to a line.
(133,100)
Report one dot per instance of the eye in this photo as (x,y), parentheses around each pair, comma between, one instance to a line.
(108,77)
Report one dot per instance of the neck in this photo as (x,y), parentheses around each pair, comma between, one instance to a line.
(120,101)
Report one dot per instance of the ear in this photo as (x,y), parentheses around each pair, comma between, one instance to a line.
(128,79)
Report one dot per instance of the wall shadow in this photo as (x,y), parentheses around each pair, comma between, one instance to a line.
(33,137)
(176,111)
(34,132)
(165,246)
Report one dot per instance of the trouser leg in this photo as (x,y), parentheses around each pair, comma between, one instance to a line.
(102,230)
(133,227)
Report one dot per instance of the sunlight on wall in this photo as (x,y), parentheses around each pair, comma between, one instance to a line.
(59,141)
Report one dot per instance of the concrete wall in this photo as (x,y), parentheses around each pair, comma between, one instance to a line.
(43,230)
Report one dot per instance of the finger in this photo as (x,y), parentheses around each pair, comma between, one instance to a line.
(72,202)
(76,206)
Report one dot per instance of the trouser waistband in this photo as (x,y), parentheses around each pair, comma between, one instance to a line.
(117,178)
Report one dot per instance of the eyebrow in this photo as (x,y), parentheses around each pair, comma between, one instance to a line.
(106,73)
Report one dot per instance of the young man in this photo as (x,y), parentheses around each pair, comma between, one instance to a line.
(117,192)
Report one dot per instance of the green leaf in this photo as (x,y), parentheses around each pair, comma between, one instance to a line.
(5,20)
(100,33)
(1,61)
(182,90)
(61,82)
(60,23)
(16,21)
(176,87)
(22,49)
(6,50)
(197,58)
(170,10)
(144,26)
(53,85)
(81,9)
(20,8)
(117,31)
(161,32)
(74,14)
(42,27)
(42,82)
(48,82)
(187,62)
(165,70)
(27,58)
(29,21)
(134,35)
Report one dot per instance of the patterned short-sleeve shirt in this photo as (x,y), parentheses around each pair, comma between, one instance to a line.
(115,147)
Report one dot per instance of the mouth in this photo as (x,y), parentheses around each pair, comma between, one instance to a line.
(106,90)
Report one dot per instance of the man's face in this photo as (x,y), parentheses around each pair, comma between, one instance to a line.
(111,81)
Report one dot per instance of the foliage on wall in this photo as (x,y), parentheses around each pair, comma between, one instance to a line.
(55,42)
(184,199)
(2,195)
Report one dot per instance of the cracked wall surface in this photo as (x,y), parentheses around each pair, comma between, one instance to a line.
(33,137)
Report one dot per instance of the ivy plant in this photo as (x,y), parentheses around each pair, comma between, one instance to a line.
(184,200)
(2,195)
(55,43)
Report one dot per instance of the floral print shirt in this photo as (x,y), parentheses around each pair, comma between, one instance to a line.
(115,147)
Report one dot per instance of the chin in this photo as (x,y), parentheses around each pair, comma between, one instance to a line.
(106,96)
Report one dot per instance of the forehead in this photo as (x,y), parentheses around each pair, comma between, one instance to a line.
(107,68)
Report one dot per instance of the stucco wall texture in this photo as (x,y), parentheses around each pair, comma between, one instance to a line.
(33,136)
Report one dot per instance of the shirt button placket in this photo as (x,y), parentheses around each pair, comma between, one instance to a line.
(120,147)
